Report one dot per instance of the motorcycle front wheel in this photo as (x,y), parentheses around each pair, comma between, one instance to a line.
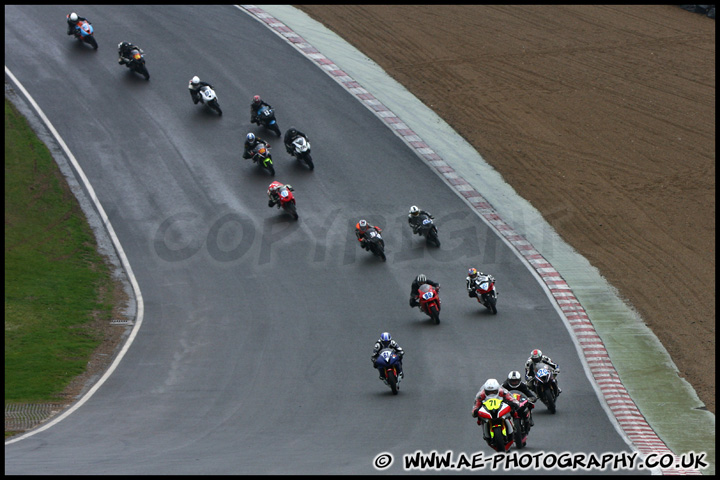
(432,238)
(434,314)
(142,70)
(549,399)
(392,381)
(216,106)
(308,160)
(91,40)
(498,439)
(292,210)
(518,434)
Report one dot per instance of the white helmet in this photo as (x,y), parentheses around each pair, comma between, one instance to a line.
(73,17)
(492,387)
(195,80)
(414,210)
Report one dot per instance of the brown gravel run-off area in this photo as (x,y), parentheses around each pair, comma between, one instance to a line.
(603,117)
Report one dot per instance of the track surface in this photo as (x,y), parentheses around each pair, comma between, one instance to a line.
(254,352)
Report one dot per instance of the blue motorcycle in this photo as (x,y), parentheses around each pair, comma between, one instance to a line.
(85,33)
(266,118)
(388,363)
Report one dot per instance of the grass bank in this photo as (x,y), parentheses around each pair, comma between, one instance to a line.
(56,283)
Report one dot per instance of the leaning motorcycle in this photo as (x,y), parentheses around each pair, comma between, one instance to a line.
(375,243)
(261,156)
(287,199)
(137,63)
(426,228)
(522,419)
(301,151)
(387,364)
(545,386)
(495,417)
(209,98)
(485,292)
(266,118)
(429,301)
(85,33)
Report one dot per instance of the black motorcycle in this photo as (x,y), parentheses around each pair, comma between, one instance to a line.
(424,225)
(375,243)
(137,63)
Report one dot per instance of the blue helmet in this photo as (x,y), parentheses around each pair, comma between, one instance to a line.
(385,337)
(250,137)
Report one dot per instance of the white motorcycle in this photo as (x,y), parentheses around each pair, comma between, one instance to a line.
(209,98)
(301,151)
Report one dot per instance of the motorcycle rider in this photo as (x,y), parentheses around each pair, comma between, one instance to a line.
(419,280)
(470,281)
(257,102)
(251,141)
(492,388)
(386,341)
(361,229)
(514,382)
(194,86)
(274,193)
(72,21)
(291,135)
(414,218)
(536,356)
(124,49)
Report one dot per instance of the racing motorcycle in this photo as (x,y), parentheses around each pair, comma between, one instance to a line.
(387,364)
(485,292)
(545,386)
(426,228)
(522,419)
(137,63)
(266,118)
(85,33)
(495,417)
(287,199)
(301,151)
(261,156)
(429,301)
(375,243)
(209,98)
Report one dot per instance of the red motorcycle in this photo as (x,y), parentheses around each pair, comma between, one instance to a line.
(522,419)
(485,292)
(287,199)
(429,301)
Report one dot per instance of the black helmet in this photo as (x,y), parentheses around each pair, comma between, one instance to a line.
(514,378)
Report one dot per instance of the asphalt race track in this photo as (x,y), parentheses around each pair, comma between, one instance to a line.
(254,353)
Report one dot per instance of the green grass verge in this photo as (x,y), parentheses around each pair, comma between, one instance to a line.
(53,273)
